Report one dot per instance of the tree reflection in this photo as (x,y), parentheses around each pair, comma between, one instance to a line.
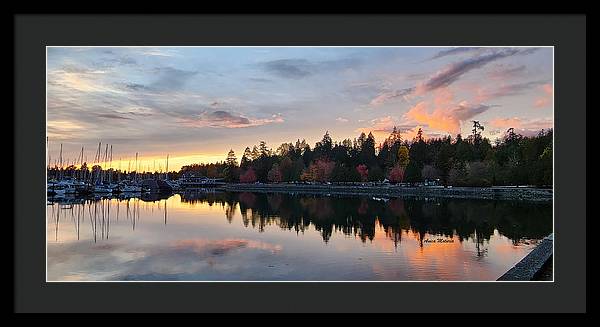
(358,216)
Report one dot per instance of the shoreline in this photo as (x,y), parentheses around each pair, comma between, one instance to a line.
(485,193)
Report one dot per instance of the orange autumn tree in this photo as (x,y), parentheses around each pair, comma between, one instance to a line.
(319,171)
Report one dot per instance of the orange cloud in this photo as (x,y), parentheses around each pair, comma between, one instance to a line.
(439,119)
(446,116)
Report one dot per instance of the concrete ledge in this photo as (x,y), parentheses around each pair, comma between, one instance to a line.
(528,267)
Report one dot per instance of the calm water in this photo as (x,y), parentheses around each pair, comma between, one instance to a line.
(254,236)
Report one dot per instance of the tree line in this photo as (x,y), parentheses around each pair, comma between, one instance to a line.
(513,159)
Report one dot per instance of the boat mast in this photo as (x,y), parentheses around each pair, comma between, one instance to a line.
(136,167)
(96,160)
(104,162)
(167,172)
(60,163)
(110,166)
(81,173)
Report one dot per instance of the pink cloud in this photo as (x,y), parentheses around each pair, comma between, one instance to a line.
(514,122)
(541,102)
(548,89)
(545,100)
(523,126)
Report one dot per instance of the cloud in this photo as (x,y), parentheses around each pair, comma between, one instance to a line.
(78,78)
(548,89)
(63,129)
(451,73)
(523,126)
(385,96)
(75,69)
(342,120)
(115,59)
(546,99)
(159,53)
(454,71)
(289,68)
(455,51)
(112,116)
(135,87)
(506,90)
(506,122)
(138,111)
(447,119)
(170,78)
(300,68)
(226,119)
(502,71)
(441,113)
(260,80)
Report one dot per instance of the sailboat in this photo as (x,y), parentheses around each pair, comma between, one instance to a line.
(173,184)
(99,186)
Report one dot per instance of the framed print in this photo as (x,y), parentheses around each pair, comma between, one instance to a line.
(275,156)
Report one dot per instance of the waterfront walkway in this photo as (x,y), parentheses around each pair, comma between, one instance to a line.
(492,193)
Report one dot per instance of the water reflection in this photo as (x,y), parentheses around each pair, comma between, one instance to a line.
(359,216)
(212,235)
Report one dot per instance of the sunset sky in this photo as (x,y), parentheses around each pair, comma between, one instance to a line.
(195,103)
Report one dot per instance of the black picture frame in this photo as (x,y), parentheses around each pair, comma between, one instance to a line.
(566,33)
